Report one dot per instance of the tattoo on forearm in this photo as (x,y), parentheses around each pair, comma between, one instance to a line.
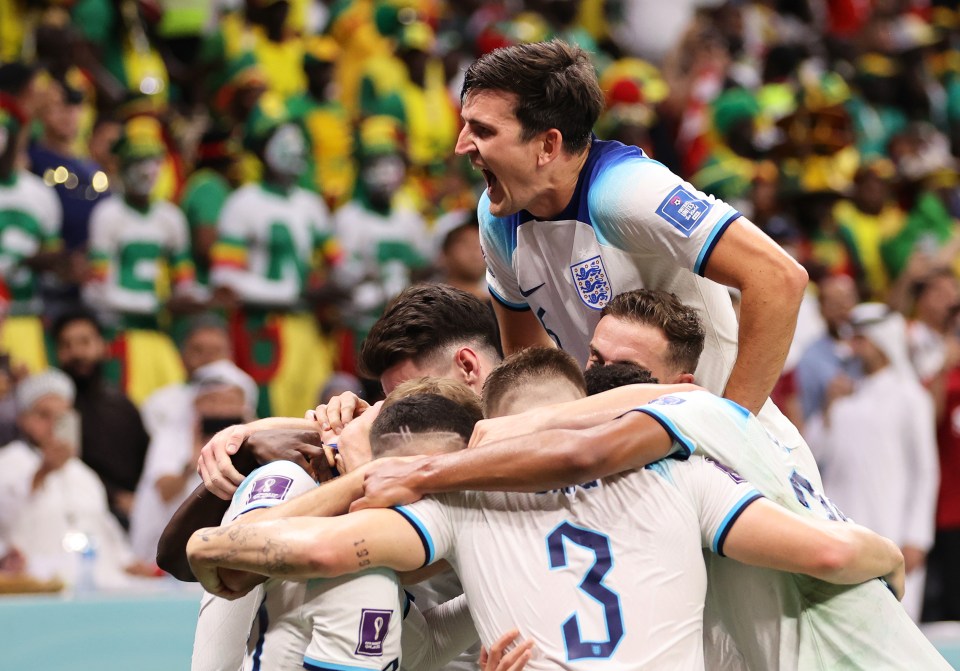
(362,553)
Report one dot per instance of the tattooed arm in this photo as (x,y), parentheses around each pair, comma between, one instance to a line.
(301,548)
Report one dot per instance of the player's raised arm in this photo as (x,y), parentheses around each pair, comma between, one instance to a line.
(843,553)
(584,413)
(520,329)
(531,463)
(305,547)
(771,287)
(205,508)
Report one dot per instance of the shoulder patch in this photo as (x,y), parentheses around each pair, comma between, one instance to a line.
(270,488)
(683,210)
(373,630)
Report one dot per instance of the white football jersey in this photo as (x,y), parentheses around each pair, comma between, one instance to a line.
(132,252)
(780,620)
(631,224)
(266,242)
(223,627)
(609,571)
(30,218)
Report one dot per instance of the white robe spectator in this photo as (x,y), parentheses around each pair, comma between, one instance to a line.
(49,498)
(877,449)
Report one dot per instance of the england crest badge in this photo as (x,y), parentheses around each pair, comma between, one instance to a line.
(590,278)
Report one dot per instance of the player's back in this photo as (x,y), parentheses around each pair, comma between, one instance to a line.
(608,572)
(781,620)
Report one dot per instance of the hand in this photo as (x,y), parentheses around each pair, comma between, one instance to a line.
(500,428)
(896,580)
(209,578)
(515,660)
(389,482)
(339,412)
(123,501)
(841,385)
(303,448)
(240,582)
(215,465)
(354,441)
(55,454)
(913,558)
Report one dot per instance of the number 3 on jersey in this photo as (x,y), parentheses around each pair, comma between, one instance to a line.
(592,584)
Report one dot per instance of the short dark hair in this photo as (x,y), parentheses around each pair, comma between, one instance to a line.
(74,315)
(663,310)
(423,413)
(527,365)
(615,375)
(555,84)
(423,320)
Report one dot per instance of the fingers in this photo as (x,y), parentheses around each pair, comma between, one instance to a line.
(340,411)
(496,660)
(215,465)
(330,456)
(360,504)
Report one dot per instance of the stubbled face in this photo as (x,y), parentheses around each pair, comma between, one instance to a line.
(80,348)
(616,340)
(491,139)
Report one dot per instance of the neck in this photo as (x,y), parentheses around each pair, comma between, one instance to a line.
(137,202)
(58,145)
(563,178)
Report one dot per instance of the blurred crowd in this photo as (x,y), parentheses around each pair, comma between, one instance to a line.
(206,204)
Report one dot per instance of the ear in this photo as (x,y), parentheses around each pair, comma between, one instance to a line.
(467,368)
(685,378)
(550,147)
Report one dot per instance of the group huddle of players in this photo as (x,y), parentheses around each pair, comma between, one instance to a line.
(646,525)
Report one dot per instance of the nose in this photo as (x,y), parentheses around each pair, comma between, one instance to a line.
(464,142)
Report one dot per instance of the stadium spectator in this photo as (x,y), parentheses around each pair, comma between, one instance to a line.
(113,439)
(942,595)
(216,173)
(877,445)
(460,262)
(275,245)
(29,243)
(384,238)
(829,356)
(332,170)
(54,507)
(221,395)
(936,296)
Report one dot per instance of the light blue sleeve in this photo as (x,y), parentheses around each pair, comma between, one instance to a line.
(498,241)
(638,205)
(432,519)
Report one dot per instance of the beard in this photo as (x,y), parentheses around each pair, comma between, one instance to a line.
(84,374)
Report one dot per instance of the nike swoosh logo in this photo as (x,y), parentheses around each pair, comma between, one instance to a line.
(526,294)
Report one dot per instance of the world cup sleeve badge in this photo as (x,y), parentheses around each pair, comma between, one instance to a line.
(590,278)
(373,630)
(684,210)
(270,488)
